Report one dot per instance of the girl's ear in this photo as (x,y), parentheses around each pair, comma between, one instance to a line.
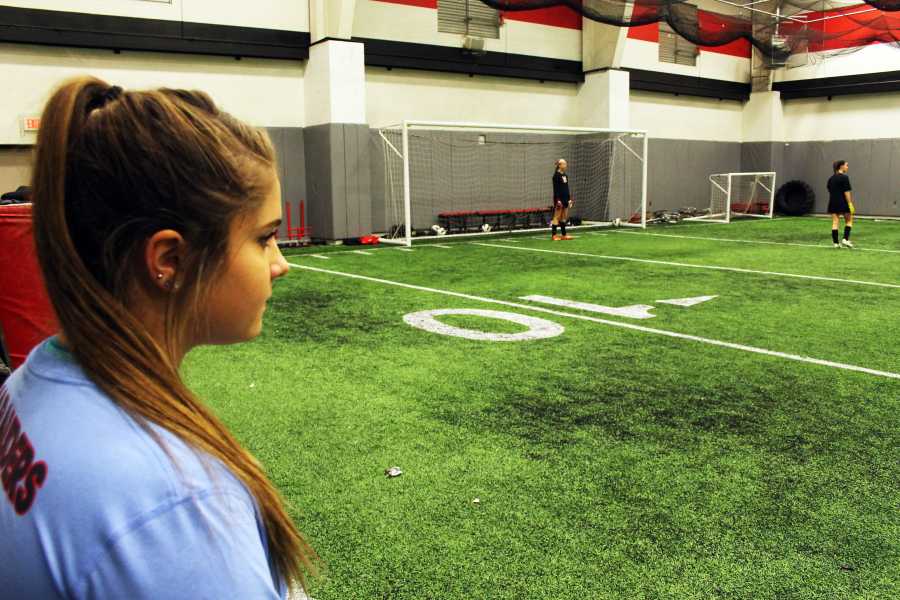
(163,254)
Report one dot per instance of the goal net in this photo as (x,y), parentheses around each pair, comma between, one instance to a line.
(734,195)
(473,179)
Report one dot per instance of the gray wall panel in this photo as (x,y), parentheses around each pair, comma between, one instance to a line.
(293,161)
(873,171)
(337,182)
(678,171)
(376,179)
(317,158)
(288,143)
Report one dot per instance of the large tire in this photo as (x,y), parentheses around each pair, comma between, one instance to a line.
(795,198)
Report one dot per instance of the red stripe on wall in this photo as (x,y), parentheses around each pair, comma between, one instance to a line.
(647,33)
(855,30)
(710,21)
(650,33)
(557,16)
(422,3)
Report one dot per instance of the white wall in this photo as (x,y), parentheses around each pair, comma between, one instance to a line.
(864,116)
(415,24)
(685,117)
(143,9)
(640,54)
(870,59)
(262,92)
(288,15)
(285,15)
(392,96)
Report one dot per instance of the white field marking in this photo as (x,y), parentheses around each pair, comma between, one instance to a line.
(714,239)
(687,301)
(440,246)
(363,252)
(538,329)
(405,249)
(320,256)
(513,240)
(691,266)
(620,324)
(635,311)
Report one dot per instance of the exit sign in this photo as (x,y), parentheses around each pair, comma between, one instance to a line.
(31,123)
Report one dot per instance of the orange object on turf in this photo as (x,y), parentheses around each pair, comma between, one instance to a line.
(556,238)
(567,237)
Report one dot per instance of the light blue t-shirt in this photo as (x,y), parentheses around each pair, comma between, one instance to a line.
(94,508)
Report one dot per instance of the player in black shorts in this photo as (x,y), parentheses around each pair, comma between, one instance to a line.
(840,202)
(561,200)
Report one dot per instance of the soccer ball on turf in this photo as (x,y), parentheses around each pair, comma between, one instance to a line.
(486,227)
(617,221)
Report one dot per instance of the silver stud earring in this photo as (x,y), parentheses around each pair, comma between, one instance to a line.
(159,276)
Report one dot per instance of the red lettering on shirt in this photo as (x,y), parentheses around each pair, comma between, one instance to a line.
(20,475)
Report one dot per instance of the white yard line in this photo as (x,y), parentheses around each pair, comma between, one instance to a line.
(319,256)
(363,252)
(732,240)
(632,326)
(693,266)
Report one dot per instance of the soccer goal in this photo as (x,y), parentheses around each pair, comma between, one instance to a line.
(475,178)
(735,195)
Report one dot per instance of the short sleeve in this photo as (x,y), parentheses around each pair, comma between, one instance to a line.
(206,546)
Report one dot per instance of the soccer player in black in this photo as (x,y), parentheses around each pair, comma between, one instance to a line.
(561,200)
(840,202)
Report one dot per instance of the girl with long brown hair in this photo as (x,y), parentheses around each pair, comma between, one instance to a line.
(155,216)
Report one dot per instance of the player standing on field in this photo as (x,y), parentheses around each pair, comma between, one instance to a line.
(840,202)
(561,200)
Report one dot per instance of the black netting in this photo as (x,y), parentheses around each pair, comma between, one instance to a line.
(777,28)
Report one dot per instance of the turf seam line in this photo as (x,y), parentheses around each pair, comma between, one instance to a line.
(632,326)
(692,266)
(713,239)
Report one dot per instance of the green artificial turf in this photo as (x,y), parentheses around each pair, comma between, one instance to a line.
(608,462)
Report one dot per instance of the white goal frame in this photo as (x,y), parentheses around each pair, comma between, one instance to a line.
(403,153)
(728,188)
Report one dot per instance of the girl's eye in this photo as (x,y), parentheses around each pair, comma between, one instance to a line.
(264,241)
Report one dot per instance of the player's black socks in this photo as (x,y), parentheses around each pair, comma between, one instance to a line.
(554,229)
(847,232)
(562,226)
(834,235)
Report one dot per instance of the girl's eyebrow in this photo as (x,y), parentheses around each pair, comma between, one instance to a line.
(274,223)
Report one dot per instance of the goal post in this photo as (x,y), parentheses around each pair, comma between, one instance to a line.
(735,195)
(448,178)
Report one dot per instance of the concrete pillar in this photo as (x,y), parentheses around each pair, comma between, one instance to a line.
(336,140)
(331,19)
(603,100)
(763,134)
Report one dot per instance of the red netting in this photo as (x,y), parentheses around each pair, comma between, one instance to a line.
(777,28)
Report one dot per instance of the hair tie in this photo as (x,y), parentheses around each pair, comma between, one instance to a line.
(111,94)
(101,100)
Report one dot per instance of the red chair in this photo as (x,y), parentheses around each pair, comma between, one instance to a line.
(26,316)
